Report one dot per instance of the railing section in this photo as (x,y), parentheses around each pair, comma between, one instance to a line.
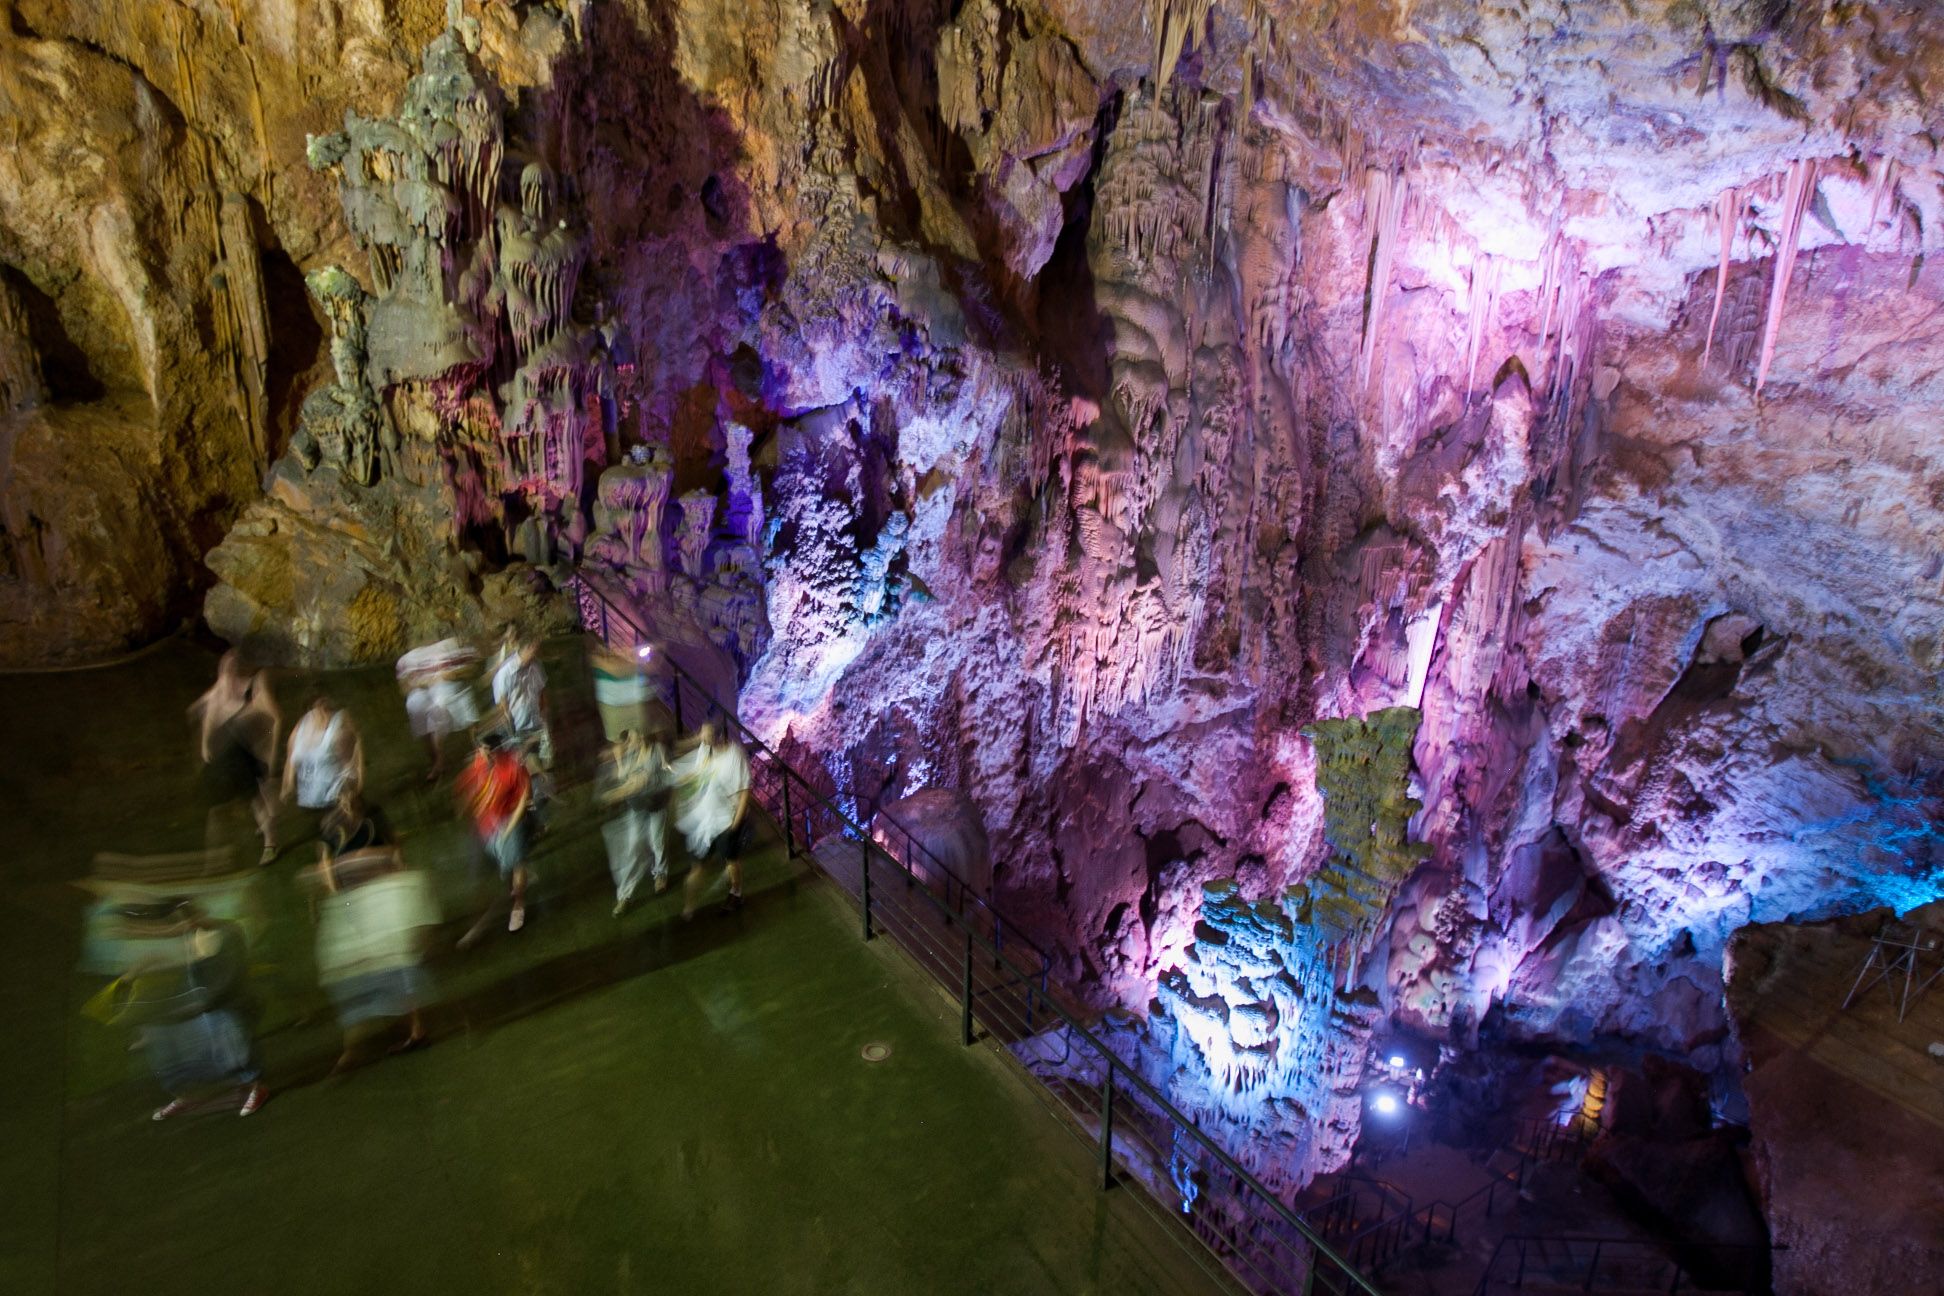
(1618,1264)
(1001,979)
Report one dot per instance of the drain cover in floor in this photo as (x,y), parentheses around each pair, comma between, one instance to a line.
(876,1052)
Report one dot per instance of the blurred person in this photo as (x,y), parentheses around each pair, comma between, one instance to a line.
(496,793)
(324,759)
(640,781)
(183,987)
(237,726)
(520,690)
(353,824)
(373,921)
(622,689)
(438,701)
(714,813)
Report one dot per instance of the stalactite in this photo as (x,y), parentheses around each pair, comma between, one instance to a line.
(21,381)
(243,279)
(1796,196)
(1884,184)
(1728,213)
(1549,280)
(1384,193)
(1574,293)
(1175,24)
(1484,305)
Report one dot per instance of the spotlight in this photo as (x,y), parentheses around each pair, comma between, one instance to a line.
(1386,1104)
(1397,1061)
(643,651)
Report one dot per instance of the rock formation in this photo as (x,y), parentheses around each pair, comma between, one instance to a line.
(1082,407)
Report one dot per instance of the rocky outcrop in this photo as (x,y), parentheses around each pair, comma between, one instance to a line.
(1075,407)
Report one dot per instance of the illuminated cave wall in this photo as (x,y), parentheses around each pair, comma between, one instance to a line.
(1073,405)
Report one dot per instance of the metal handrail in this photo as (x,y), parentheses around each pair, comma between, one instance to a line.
(1117,1071)
(1488,1190)
(610,611)
(1663,1255)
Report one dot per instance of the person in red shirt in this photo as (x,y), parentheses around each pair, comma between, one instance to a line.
(495,791)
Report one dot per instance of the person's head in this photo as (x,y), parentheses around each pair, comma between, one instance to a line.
(628,740)
(230,668)
(323,705)
(491,742)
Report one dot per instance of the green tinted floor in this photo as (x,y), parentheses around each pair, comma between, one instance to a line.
(607,1106)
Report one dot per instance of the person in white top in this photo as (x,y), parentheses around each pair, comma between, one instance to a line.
(325,757)
(520,688)
(714,813)
(437,698)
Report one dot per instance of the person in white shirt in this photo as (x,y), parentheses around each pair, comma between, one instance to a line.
(714,813)
(325,757)
(520,688)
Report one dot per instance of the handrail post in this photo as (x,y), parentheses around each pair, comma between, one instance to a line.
(965,1019)
(864,843)
(1592,1270)
(1107,1128)
(789,834)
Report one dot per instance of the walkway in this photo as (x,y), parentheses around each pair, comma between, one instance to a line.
(611,1106)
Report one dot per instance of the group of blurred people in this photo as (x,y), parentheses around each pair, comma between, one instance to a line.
(175,931)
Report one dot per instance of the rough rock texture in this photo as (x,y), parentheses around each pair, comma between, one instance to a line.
(1071,404)
(1846,1107)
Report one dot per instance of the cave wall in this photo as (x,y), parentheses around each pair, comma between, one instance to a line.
(1073,404)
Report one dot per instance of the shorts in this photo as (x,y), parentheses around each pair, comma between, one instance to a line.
(728,844)
(508,848)
(211,1048)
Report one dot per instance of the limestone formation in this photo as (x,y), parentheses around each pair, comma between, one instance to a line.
(1081,408)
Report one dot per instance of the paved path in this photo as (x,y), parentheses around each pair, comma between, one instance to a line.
(607,1106)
